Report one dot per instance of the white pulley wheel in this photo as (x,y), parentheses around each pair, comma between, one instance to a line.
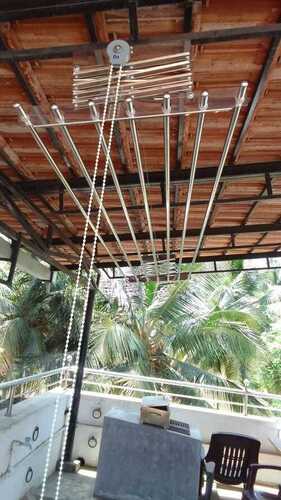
(118,52)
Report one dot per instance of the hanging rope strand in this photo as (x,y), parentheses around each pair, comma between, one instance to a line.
(89,281)
(78,277)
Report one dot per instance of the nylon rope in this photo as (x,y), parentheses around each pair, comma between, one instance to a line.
(89,281)
(74,302)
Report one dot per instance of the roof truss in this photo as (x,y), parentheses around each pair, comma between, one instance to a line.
(195,38)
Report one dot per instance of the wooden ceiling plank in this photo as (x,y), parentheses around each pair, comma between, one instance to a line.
(29,82)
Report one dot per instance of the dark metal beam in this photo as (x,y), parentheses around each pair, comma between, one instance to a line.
(90,25)
(194,202)
(79,376)
(16,192)
(206,249)
(119,145)
(263,79)
(217,258)
(15,245)
(29,245)
(196,38)
(268,184)
(133,20)
(187,16)
(48,8)
(194,232)
(130,180)
(21,218)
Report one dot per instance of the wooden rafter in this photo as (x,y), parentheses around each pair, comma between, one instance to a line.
(259,92)
(30,84)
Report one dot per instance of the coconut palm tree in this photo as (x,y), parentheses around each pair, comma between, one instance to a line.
(204,329)
(34,318)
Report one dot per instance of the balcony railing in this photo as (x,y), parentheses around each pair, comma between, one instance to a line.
(238,400)
(242,400)
(14,391)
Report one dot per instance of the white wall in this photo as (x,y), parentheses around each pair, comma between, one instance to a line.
(39,412)
(26,416)
(207,421)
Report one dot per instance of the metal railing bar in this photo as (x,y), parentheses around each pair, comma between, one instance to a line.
(140,85)
(197,141)
(134,134)
(142,378)
(154,391)
(59,117)
(94,115)
(239,103)
(30,378)
(124,388)
(180,55)
(180,383)
(221,109)
(53,164)
(167,158)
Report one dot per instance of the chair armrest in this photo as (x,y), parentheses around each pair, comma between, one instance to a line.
(253,469)
(264,466)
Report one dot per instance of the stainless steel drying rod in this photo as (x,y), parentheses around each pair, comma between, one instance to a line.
(239,103)
(60,119)
(78,71)
(142,83)
(149,91)
(166,124)
(197,141)
(25,118)
(83,84)
(95,116)
(89,121)
(134,134)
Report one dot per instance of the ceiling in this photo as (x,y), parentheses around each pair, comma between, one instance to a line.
(39,46)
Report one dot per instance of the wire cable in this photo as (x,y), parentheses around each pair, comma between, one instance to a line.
(78,277)
(89,281)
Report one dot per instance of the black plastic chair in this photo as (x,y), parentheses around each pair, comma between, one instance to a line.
(249,492)
(232,455)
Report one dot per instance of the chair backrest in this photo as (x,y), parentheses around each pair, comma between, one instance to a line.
(232,455)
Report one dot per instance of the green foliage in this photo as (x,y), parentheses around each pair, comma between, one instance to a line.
(206,325)
(215,328)
(34,318)
(272,372)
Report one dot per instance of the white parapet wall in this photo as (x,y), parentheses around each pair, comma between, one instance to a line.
(22,465)
(31,423)
(94,406)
